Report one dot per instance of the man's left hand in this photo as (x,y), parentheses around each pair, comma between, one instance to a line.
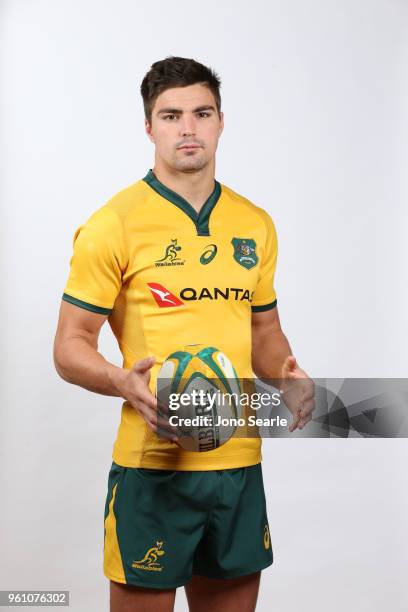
(298,393)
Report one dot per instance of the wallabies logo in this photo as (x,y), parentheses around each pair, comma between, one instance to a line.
(171,255)
(149,561)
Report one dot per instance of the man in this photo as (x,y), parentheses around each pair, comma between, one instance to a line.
(175,517)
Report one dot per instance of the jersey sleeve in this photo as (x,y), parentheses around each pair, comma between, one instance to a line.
(264,296)
(98,263)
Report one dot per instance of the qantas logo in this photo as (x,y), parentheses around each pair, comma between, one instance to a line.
(164,298)
(229,293)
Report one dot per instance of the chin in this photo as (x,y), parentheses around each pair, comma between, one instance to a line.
(190,165)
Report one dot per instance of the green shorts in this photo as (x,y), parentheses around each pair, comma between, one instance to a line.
(163,526)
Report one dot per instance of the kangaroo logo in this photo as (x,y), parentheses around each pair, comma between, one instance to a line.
(149,561)
(171,255)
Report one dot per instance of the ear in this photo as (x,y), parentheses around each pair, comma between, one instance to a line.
(148,129)
(221,124)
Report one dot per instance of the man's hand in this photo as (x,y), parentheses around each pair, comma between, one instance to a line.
(298,393)
(134,387)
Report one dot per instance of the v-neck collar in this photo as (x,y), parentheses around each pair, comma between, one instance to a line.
(201,219)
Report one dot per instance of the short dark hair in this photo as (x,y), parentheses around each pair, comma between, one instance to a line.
(177,72)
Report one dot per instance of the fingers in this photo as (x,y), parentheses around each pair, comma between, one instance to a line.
(303,415)
(308,403)
(308,389)
(143,365)
(137,385)
(146,396)
(299,397)
(164,429)
(161,426)
(295,422)
(289,366)
(163,408)
(141,399)
(157,422)
(303,421)
(307,407)
(146,404)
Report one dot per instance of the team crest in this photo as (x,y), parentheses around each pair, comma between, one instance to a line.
(245,252)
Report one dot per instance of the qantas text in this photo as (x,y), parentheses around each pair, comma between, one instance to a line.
(237,294)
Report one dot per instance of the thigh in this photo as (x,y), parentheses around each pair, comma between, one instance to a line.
(236,541)
(154,520)
(223,595)
(128,598)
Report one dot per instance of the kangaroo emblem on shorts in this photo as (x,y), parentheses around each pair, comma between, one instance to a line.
(149,561)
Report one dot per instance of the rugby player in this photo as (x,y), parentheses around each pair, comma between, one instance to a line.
(173,259)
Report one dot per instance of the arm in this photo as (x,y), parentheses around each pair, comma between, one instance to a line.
(78,361)
(272,359)
(270,347)
(76,355)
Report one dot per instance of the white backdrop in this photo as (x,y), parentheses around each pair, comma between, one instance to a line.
(315,97)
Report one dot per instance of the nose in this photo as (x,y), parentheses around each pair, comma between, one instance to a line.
(187,126)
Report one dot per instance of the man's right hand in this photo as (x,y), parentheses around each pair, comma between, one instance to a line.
(134,387)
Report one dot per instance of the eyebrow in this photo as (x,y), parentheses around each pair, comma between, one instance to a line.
(179,111)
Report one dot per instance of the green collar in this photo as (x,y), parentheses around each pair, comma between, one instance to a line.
(200,219)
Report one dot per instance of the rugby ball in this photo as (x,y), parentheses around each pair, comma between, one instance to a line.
(200,389)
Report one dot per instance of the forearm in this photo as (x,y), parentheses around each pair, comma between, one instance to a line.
(270,348)
(79,363)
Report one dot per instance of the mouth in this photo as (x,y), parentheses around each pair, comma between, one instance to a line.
(190,147)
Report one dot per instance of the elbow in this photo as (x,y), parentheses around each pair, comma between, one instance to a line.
(60,363)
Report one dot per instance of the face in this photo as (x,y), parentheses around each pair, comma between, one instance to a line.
(185,127)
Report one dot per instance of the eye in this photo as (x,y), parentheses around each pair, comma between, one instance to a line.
(204,114)
(170,117)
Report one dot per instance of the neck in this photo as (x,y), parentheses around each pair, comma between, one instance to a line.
(195,187)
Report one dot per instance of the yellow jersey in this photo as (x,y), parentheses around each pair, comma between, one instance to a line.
(168,276)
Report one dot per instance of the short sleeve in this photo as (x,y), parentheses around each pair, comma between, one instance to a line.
(98,263)
(264,296)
